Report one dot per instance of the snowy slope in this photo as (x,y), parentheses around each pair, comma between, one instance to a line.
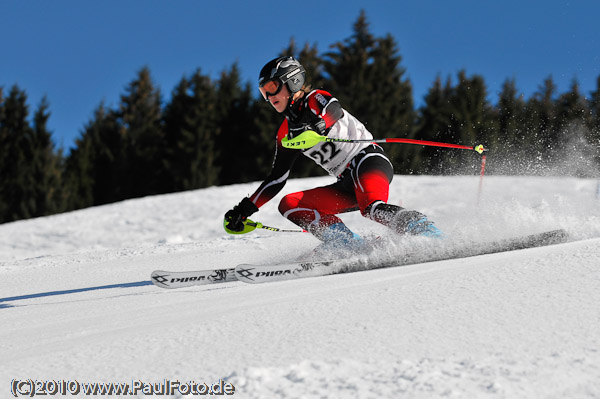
(75,303)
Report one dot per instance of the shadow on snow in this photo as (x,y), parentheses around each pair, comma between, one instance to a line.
(74,291)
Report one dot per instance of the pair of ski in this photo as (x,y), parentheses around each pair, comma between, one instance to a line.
(294,270)
(246,273)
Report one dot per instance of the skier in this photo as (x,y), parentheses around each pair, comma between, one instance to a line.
(362,170)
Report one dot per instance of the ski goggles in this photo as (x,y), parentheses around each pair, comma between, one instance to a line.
(270,88)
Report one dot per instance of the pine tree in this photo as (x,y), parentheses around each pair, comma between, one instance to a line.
(16,180)
(78,182)
(366,77)
(433,124)
(141,116)
(572,107)
(573,120)
(243,151)
(510,138)
(263,132)
(29,167)
(191,128)
(96,170)
(348,69)
(594,124)
(540,120)
(594,105)
(395,115)
(470,108)
(4,155)
(469,122)
(510,108)
(46,165)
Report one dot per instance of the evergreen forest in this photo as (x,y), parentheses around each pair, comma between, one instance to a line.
(220,131)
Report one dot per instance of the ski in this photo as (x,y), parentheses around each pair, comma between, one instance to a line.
(165,279)
(512,244)
(294,270)
(287,271)
(254,274)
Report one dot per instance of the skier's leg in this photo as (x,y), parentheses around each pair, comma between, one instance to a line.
(372,175)
(315,211)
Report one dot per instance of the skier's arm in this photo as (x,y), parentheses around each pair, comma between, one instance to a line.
(284,159)
(326,110)
(325,106)
(274,183)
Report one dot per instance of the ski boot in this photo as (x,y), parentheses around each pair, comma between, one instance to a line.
(338,241)
(403,221)
(416,224)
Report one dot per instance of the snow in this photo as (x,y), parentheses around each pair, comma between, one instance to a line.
(76,303)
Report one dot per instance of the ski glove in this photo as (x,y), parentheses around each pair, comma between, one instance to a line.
(319,127)
(236,217)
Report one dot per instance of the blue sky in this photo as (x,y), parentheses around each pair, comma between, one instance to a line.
(79,53)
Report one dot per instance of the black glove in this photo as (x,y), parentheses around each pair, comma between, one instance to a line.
(235,217)
(319,127)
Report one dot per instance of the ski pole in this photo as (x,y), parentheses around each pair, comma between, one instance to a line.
(258,225)
(483,161)
(249,226)
(311,138)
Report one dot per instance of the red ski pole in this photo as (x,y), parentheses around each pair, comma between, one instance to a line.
(483,160)
(311,138)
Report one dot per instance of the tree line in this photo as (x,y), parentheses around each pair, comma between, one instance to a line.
(218,131)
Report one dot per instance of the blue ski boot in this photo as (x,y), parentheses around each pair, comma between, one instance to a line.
(338,240)
(403,221)
(340,234)
(420,226)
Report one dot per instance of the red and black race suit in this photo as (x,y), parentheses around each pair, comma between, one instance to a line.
(362,170)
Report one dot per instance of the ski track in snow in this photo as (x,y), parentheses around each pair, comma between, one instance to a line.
(75,303)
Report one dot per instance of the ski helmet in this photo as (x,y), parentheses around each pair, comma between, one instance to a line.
(283,70)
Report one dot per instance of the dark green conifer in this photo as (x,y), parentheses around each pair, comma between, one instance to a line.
(140,117)
(191,130)
(366,76)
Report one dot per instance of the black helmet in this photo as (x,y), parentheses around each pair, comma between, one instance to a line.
(287,70)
